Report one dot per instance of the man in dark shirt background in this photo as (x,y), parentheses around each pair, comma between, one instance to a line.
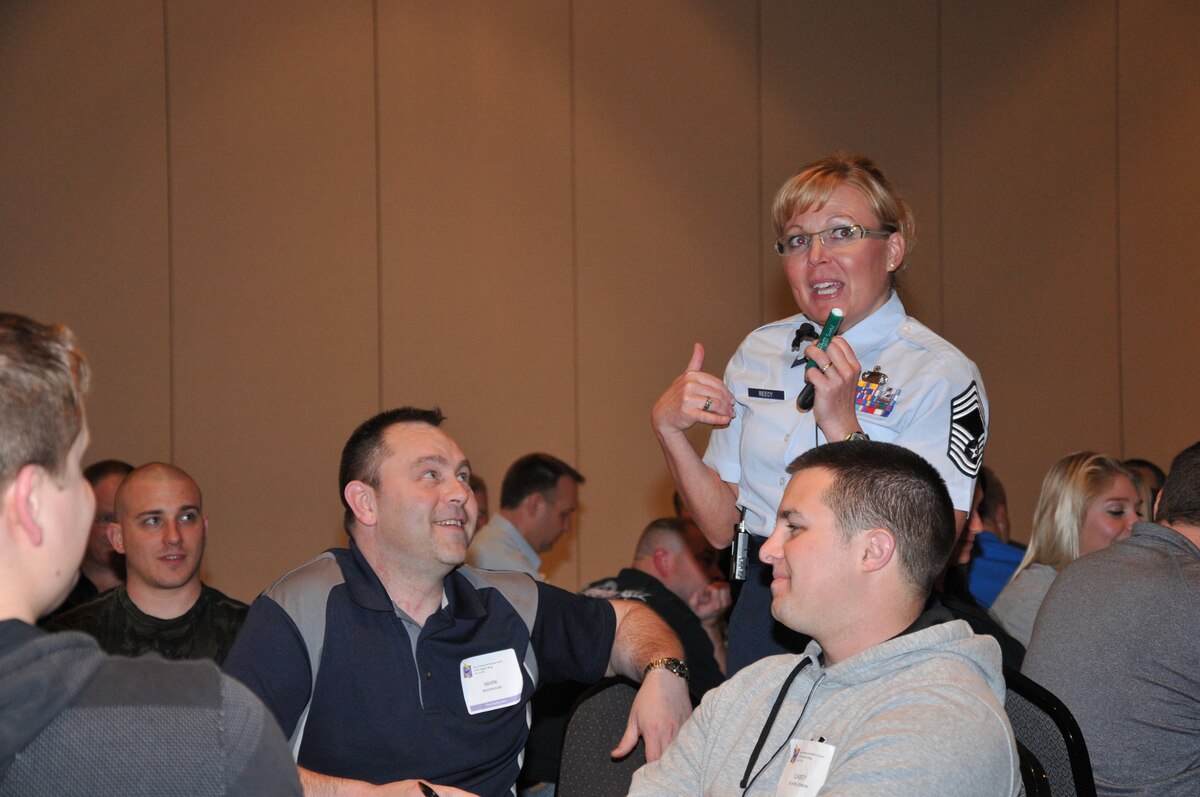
(163,606)
(674,573)
(102,568)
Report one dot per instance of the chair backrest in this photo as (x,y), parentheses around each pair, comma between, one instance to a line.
(1033,775)
(596,725)
(1046,729)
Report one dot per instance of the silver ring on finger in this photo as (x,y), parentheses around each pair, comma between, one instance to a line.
(708,403)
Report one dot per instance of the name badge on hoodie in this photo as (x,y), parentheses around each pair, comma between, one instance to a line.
(805,768)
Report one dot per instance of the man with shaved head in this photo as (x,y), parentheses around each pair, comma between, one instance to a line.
(164,607)
(74,721)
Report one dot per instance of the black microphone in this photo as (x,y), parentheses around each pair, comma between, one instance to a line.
(805,333)
(808,394)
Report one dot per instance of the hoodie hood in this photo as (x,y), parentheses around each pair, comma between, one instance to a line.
(942,642)
(40,675)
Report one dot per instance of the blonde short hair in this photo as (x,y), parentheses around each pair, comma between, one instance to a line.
(812,186)
(1071,485)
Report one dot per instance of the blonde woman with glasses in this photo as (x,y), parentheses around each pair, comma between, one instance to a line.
(844,236)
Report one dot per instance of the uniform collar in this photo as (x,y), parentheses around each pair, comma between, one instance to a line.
(870,333)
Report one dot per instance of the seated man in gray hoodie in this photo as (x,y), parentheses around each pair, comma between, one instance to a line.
(74,721)
(892,696)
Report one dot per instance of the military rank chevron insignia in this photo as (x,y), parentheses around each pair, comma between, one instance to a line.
(968,431)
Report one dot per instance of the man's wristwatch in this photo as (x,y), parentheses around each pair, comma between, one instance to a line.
(857,436)
(674,665)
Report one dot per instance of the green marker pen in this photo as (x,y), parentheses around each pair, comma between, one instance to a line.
(804,401)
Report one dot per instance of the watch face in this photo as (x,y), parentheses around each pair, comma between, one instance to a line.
(674,665)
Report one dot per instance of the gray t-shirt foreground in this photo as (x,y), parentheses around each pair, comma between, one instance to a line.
(1118,640)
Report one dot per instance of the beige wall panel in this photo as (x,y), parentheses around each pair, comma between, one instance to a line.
(478,286)
(570,194)
(857,76)
(1159,233)
(666,136)
(274,241)
(83,205)
(1029,228)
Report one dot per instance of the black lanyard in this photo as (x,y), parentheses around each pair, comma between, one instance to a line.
(748,781)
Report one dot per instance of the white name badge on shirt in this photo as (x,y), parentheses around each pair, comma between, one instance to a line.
(491,681)
(806,767)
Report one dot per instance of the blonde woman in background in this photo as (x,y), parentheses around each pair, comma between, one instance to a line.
(1088,502)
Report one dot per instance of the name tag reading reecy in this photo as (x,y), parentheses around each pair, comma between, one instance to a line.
(491,681)
(805,768)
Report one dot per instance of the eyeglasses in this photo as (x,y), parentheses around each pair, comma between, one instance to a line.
(833,238)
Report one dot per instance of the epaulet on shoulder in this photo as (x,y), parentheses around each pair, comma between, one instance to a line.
(324,569)
(918,334)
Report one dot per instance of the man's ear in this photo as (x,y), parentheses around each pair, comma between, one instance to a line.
(662,562)
(1001,518)
(878,547)
(531,507)
(26,495)
(116,537)
(361,498)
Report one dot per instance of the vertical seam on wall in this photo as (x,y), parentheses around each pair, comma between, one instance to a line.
(574,256)
(941,185)
(378,211)
(758,112)
(170,243)
(1117,225)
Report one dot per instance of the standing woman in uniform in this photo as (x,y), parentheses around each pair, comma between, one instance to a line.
(844,238)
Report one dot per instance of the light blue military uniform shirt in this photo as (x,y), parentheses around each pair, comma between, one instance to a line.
(918,391)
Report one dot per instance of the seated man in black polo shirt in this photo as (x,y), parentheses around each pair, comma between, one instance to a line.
(163,607)
(391,662)
(674,573)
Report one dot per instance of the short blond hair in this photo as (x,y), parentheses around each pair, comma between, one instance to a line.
(811,187)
